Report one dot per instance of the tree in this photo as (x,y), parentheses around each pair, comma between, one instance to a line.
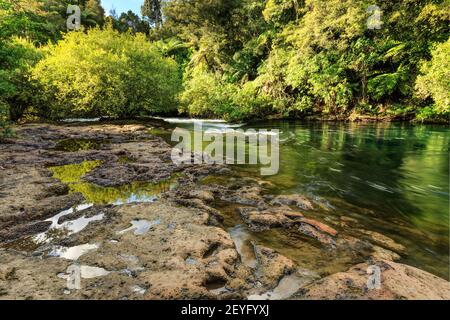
(434,82)
(17,57)
(106,73)
(20,28)
(131,21)
(32,19)
(151,10)
(93,13)
(309,57)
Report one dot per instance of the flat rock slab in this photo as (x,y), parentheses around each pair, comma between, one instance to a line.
(398,282)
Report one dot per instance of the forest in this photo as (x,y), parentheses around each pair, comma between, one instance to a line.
(231,59)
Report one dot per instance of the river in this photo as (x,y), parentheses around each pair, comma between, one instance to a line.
(393,178)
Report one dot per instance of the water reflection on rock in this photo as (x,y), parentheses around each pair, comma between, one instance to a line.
(72,253)
(140,227)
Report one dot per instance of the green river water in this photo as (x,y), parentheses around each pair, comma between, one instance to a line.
(393,178)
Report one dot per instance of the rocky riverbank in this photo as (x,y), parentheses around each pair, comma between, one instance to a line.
(108,199)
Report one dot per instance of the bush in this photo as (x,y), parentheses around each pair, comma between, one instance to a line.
(4,119)
(206,95)
(106,73)
(17,56)
(435,82)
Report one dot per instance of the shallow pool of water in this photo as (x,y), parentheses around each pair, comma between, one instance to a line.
(136,192)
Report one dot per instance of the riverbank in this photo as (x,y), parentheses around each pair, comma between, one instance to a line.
(108,198)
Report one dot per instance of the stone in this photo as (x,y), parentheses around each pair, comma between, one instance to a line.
(380,253)
(312,232)
(293,200)
(293,214)
(398,282)
(246,196)
(266,220)
(202,195)
(320,226)
(383,241)
(272,266)
(7,272)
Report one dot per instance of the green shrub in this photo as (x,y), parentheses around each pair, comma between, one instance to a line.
(106,73)
(435,82)
(206,95)
(4,119)
(17,57)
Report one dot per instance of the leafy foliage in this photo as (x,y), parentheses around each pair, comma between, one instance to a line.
(106,73)
(435,80)
(151,10)
(17,57)
(128,21)
(306,58)
(237,59)
(206,95)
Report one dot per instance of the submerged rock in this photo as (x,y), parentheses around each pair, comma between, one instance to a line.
(247,195)
(312,232)
(383,241)
(257,219)
(293,200)
(284,217)
(244,247)
(269,217)
(380,253)
(294,215)
(288,286)
(320,226)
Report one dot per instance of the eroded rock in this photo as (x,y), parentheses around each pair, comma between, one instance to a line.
(312,232)
(398,282)
(293,200)
(320,226)
(272,266)
(383,241)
